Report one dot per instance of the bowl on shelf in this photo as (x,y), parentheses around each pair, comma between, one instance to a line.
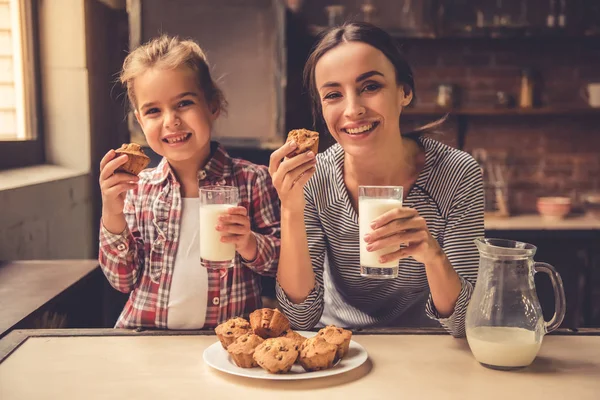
(591,204)
(554,207)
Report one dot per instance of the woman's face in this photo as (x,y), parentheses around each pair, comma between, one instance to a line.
(361,101)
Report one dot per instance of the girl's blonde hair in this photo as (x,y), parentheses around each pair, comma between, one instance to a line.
(170,52)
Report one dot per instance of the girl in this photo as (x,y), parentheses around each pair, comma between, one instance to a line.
(360,84)
(149,233)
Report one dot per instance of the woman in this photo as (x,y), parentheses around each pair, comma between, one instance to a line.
(360,84)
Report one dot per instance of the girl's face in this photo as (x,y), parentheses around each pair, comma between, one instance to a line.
(174,115)
(361,101)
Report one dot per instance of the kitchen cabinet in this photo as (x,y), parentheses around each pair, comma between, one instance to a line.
(575,256)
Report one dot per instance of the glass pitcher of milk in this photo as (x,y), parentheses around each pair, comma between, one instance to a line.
(504,321)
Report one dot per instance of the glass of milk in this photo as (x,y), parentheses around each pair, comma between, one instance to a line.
(373,202)
(214,202)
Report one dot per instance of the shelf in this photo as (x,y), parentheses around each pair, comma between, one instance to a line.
(507,34)
(547,111)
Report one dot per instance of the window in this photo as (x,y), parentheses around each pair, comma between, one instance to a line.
(20,141)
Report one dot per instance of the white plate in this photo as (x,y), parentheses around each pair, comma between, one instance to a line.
(218,358)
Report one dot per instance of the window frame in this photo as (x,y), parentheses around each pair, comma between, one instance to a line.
(27,152)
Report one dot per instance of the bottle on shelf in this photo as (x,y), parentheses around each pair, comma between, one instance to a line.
(527,87)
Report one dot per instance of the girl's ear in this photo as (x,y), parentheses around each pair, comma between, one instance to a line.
(407,95)
(138,118)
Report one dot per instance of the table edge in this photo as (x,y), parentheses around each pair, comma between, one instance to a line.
(16,338)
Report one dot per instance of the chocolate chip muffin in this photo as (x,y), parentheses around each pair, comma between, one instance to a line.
(242,350)
(297,338)
(276,355)
(306,140)
(317,354)
(229,331)
(136,159)
(268,322)
(337,336)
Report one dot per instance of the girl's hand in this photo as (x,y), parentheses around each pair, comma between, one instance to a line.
(403,226)
(114,186)
(290,175)
(235,227)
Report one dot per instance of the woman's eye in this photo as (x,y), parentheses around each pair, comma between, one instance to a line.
(371,87)
(184,103)
(332,95)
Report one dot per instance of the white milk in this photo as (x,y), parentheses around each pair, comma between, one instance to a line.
(368,211)
(503,346)
(211,247)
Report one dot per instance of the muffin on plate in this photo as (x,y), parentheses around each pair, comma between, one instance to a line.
(337,336)
(268,322)
(136,159)
(230,330)
(297,338)
(242,350)
(306,141)
(276,355)
(317,354)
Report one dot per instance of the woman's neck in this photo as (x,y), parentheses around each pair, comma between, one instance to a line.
(395,164)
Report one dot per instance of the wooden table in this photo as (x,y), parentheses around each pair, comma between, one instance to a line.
(407,364)
(26,286)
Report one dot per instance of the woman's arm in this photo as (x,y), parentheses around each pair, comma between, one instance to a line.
(452,267)
(303,238)
(298,291)
(295,274)
(265,225)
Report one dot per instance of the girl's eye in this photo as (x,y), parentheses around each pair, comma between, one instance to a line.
(371,87)
(332,95)
(184,103)
(152,111)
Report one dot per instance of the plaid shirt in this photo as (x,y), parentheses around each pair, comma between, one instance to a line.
(140,260)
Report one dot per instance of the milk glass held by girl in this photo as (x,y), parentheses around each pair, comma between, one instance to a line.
(149,235)
(360,83)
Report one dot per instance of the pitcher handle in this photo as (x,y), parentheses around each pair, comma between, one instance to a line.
(560,303)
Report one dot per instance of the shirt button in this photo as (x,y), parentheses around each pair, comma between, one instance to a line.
(216,301)
(121,247)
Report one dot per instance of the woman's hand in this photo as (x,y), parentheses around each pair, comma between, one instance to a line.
(403,226)
(235,226)
(290,175)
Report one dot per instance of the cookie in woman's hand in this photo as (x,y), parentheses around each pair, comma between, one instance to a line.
(306,141)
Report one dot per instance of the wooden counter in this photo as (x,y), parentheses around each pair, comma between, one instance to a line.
(166,365)
(536,222)
(26,286)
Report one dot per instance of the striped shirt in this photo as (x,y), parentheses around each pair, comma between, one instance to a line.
(448,193)
(140,260)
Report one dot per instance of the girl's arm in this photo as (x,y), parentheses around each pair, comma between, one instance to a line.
(121,255)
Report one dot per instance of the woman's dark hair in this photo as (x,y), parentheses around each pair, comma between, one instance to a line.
(371,35)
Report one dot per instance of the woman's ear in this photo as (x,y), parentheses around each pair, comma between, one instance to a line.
(407,95)
(215,110)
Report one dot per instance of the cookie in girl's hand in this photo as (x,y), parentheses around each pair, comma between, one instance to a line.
(136,159)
